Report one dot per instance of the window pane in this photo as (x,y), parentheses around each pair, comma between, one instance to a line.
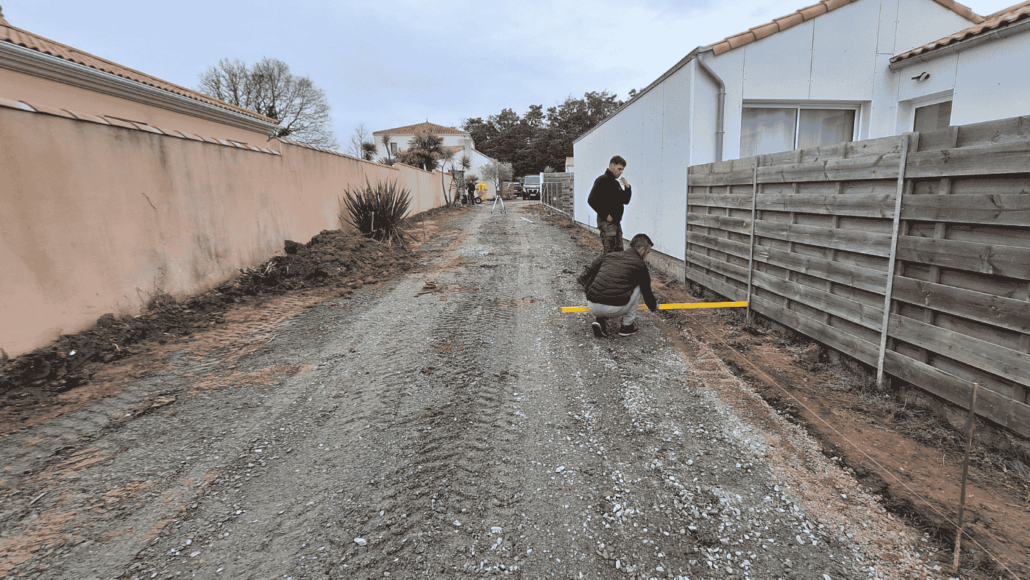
(932,117)
(819,127)
(766,131)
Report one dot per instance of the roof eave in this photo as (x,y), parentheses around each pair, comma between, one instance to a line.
(934,53)
(676,67)
(35,63)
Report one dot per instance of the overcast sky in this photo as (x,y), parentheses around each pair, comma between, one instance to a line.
(388,64)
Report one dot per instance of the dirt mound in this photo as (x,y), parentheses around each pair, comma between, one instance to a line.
(332,258)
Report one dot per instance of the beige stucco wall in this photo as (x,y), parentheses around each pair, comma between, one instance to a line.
(35,90)
(98,219)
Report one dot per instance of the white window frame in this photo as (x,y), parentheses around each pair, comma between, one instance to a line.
(918,103)
(798,106)
(907,108)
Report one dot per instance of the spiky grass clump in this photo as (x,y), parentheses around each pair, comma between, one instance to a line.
(377,212)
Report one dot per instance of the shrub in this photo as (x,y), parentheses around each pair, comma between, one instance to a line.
(377,212)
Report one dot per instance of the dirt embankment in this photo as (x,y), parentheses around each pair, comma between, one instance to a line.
(332,259)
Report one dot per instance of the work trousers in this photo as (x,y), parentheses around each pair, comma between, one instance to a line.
(611,236)
(628,312)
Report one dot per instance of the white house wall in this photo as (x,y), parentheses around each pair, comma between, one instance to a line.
(992,82)
(839,58)
(653,135)
(984,81)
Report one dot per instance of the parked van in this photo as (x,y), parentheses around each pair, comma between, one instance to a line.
(531,187)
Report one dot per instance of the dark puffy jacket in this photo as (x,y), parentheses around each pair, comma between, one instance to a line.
(611,278)
(608,198)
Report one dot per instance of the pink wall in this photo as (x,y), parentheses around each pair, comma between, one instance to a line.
(40,91)
(98,218)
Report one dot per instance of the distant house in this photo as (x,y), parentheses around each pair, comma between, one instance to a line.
(838,70)
(44,73)
(570,163)
(460,142)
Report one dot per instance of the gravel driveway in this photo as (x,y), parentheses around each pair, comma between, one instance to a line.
(448,424)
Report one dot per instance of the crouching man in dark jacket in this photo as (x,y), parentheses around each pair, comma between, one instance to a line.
(615,285)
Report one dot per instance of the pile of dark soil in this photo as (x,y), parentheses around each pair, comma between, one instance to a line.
(331,259)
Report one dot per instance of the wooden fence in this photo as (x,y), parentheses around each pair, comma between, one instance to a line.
(808,236)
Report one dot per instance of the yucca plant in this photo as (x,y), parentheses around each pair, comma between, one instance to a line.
(377,212)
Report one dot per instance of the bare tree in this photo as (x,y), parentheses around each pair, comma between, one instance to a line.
(358,138)
(268,88)
(497,171)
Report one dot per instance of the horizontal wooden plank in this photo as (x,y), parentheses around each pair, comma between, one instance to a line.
(985,258)
(840,239)
(993,159)
(739,249)
(845,274)
(849,344)
(1002,410)
(997,131)
(732,201)
(980,354)
(867,167)
(1011,209)
(839,306)
(718,286)
(735,177)
(738,273)
(722,222)
(987,308)
(847,204)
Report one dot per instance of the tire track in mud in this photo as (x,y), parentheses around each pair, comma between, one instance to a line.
(443,479)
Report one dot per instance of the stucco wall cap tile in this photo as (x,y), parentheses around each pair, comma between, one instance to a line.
(223,142)
(90,118)
(15,105)
(190,136)
(210,140)
(50,111)
(120,123)
(148,128)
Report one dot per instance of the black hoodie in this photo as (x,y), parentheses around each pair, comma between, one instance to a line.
(608,198)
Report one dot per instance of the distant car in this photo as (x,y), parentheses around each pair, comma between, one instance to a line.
(531,187)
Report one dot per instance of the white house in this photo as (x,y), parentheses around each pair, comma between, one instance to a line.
(399,139)
(839,70)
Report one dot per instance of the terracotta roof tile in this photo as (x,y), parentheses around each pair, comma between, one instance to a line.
(809,12)
(35,42)
(999,19)
(419,128)
(813,11)
(764,30)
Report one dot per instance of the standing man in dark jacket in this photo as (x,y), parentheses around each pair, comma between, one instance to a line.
(608,197)
(615,285)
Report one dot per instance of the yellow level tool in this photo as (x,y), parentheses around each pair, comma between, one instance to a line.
(685,306)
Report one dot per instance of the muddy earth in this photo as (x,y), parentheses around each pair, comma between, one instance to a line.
(446,422)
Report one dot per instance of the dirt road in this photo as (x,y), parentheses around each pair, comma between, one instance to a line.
(447,424)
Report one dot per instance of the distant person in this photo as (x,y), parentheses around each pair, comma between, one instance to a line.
(616,283)
(608,197)
(470,190)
